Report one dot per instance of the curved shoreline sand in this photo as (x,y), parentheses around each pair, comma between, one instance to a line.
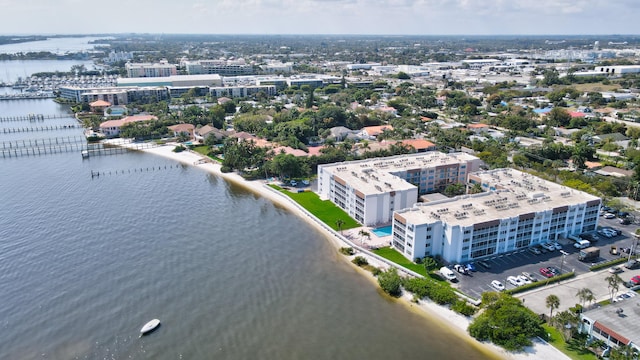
(444,316)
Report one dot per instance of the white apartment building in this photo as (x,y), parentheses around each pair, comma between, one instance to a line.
(242,91)
(519,210)
(161,69)
(221,67)
(371,190)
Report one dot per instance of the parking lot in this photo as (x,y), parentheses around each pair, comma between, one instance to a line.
(565,260)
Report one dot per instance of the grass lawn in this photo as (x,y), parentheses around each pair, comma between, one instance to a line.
(203,149)
(591,87)
(323,210)
(392,255)
(573,349)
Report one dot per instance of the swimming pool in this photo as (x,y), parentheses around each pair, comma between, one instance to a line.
(382,231)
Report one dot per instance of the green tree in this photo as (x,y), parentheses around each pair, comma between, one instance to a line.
(430,264)
(585,295)
(558,117)
(454,190)
(339,223)
(390,282)
(476,189)
(506,322)
(552,302)
(613,284)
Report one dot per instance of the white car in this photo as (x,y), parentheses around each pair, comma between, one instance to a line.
(497,285)
(556,245)
(514,281)
(609,216)
(548,246)
(523,279)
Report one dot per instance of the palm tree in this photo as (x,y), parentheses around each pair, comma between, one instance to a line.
(553,302)
(339,223)
(585,295)
(364,234)
(613,282)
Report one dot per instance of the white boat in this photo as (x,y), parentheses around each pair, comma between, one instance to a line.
(149,327)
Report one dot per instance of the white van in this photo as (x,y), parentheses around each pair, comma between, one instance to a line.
(448,273)
(582,244)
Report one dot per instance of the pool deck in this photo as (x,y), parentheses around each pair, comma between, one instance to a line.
(372,241)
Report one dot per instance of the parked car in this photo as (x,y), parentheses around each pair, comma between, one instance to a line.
(529,276)
(497,285)
(548,246)
(293,183)
(625,221)
(615,269)
(470,267)
(554,270)
(546,273)
(460,268)
(484,264)
(524,279)
(542,249)
(623,214)
(305,182)
(514,281)
(613,250)
(535,251)
(556,245)
(635,280)
(609,216)
(633,264)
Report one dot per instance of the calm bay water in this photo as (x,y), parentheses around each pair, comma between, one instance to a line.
(59,45)
(12,70)
(84,263)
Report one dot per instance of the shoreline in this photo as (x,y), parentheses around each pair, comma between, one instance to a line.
(454,322)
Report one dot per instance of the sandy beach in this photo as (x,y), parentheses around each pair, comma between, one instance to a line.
(431,310)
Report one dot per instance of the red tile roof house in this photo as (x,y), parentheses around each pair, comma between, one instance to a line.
(183,129)
(370,132)
(111,128)
(420,145)
(478,128)
(99,105)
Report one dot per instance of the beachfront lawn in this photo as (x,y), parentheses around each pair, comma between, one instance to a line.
(573,349)
(203,149)
(394,256)
(325,210)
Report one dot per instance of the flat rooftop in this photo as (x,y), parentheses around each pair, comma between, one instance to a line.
(374,176)
(625,323)
(517,193)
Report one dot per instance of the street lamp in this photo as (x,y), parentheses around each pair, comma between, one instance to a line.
(564,254)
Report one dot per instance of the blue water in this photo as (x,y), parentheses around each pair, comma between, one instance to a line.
(382,231)
(85,262)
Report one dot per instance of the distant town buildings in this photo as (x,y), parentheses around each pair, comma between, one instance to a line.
(220,67)
(161,69)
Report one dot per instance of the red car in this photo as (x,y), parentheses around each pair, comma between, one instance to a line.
(636,279)
(546,272)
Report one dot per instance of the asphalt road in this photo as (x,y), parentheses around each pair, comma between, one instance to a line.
(512,264)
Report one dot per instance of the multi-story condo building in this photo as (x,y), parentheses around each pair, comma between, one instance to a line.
(221,67)
(371,190)
(115,95)
(242,91)
(519,210)
(161,69)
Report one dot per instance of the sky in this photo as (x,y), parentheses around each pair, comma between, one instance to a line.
(375,17)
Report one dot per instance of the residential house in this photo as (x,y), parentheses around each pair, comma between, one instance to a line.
(371,132)
(111,128)
(179,129)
